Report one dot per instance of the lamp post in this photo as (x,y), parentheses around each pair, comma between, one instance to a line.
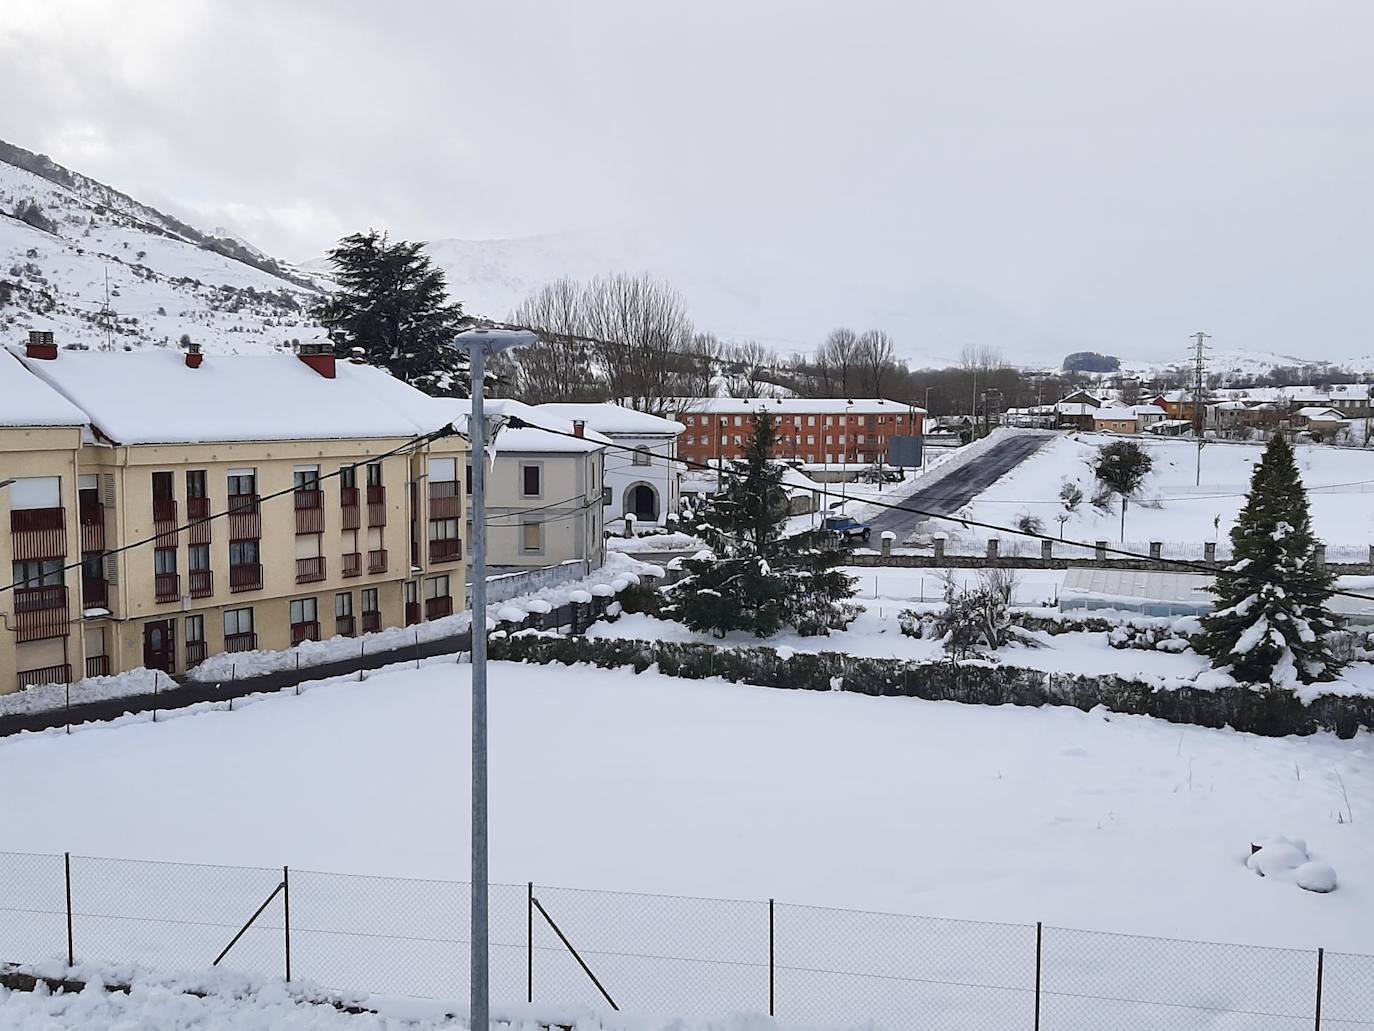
(844,458)
(479,343)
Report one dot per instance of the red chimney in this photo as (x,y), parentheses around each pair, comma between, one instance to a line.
(41,345)
(193,356)
(319,357)
(579,428)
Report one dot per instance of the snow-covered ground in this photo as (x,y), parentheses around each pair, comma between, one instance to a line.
(1171,507)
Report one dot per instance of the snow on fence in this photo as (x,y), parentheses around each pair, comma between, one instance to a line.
(1014,547)
(504,586)
(659,955)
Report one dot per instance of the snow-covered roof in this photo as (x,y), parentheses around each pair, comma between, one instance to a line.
(1149,410)
(1075,408)
(614,419)
(790,406)
(26,400)
(1321,414)
(526,440)
(153,397)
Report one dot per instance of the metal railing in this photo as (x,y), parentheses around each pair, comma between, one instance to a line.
(309,570)
(202,583)
(376,561)
(353,564)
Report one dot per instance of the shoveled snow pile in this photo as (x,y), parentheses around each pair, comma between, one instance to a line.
(1287,859)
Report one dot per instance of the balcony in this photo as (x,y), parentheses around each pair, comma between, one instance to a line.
(437,608)
(372,621)
(445,501)
(245,577)
(304,632)
(344,625)
(376,561)
(245,518)
(97,665)
(40,613)
(309,570)
(195,653)
(47,675)
(95,594)
(349,507)
(353,564)
(91,515)
(412,613)
(376,505)
(166,586)
(309,511)
(202,583)
(447,549)
(240,642)
(38,533)
(165,522)
(198,509)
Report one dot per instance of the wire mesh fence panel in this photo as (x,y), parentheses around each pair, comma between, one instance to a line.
(176,916)
(33,907)
(1093,980)
(398,936)
(846,967)
(652,953)
(1347,992)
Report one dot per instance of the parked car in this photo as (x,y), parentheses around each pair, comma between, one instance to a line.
(847,528)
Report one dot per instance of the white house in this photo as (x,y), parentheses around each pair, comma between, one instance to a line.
(644,483)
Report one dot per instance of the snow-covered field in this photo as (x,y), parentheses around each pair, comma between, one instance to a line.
(1171,507)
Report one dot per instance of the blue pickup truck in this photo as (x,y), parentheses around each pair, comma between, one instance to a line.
(847,528)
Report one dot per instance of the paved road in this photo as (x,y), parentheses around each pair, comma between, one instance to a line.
(954,491)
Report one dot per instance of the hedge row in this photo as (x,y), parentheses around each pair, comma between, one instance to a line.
(1274,713)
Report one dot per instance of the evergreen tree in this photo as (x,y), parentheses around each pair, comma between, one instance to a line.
(1273,629)
(392,305)
(758,579)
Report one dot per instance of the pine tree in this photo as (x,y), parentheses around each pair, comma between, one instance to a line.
(1272,629)
(758,579)
(392,304)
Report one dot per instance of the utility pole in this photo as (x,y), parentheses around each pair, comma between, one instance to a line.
(479,343)
(1199,419)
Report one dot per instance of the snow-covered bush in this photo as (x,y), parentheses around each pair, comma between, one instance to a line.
(978,617)
(1164,637)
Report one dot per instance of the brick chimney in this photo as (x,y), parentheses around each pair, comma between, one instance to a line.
(319,356)
(41,345)
(193,356)
(579,428)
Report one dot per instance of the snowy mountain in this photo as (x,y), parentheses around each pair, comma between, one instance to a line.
(94,265)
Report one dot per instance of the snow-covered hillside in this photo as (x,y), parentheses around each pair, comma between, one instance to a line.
(165,278)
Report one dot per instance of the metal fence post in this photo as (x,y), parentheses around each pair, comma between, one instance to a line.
(772,974)
(529,941)
(286,915)
(1321,957)
(67,876)
(298,687)
(1039,936)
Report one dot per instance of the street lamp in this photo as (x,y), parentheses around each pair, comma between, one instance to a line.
(479,343)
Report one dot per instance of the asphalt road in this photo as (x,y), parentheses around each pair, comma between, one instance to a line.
(956,490)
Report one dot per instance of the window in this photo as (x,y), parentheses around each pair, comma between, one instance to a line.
(436,587)
(739,420)
(412,592)
(810,420)
(739,441)
(164,560)
(242,481)
(641,457)
(44,573)
(343,604)
(531,536)
(238,621)
(198,557)
(195,483)
(374,474)
(467,486)
(810,439)
(243,553)
(443,469)
(829,439)
(162,486)
(306,477)
(443,529)
(35,492)
(304,610)
(370,600)
(531,480)
(93,567)
(348,477)
(195,629)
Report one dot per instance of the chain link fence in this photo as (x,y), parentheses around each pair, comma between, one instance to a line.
(662,955)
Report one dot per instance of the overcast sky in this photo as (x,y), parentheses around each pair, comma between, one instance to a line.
(1035,176)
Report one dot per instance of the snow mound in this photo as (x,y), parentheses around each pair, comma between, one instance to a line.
(1278,856)
(602,590)
(510,614)
(1316,877)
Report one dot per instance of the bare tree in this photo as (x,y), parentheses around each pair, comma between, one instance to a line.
(876,356)
(643,328)
(751,364)
(696,372)
(559,367)
(835,361)
(981,359)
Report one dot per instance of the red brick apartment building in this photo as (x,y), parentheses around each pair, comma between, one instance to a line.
(820,430)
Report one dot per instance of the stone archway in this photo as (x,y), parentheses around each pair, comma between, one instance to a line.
(641,501)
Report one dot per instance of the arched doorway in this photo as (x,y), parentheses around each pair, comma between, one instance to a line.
(641,501)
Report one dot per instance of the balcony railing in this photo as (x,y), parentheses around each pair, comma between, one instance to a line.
(195,653)
(437,608)
(165,522)
(245,577)
(308,570)
(240,642)
(304,632)
(412,613)
(92,519)
(97,665)
(376,505)
(447,549)
(348,506)
(166,586)
(376,561)
(197,509)
(353,563)
(309,511)
(371,621)
(245,519)
(202,583)
(344,625)
(95,594)
(38,533)
(47,675)
(40,613)
(445,500)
